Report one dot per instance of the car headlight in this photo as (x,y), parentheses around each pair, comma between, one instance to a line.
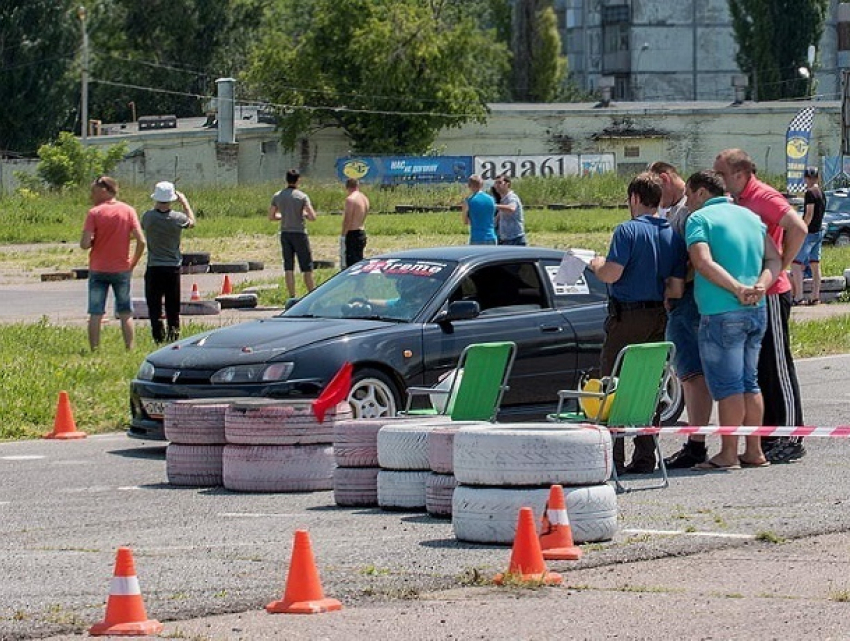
(146,371)
(260,373)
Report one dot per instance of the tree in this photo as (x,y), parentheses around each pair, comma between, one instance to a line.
(773,38)
(538,65)
(38,46)
(66,163)
(389,73)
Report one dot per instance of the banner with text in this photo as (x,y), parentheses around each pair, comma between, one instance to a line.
(397,170)
(797,149)
(552,165)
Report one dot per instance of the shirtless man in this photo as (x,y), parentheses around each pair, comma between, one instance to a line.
(353,222)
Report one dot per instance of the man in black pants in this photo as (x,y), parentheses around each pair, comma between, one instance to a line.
(163,229)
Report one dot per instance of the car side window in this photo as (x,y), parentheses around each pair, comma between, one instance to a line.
(503,289)
(589,289)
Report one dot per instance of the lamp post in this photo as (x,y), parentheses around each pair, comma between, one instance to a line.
(643,48)
(84,102)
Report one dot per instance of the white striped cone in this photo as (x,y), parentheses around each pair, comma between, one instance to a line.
(556,535)
(125,609)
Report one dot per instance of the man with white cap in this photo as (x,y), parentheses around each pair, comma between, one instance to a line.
(163,228)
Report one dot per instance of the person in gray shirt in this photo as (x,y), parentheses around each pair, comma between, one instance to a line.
(510,223)
(163,229)
(292,208)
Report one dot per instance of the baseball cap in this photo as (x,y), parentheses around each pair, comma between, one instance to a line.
(810,172)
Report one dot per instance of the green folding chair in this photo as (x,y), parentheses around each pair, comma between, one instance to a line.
(636,386)
(476,394)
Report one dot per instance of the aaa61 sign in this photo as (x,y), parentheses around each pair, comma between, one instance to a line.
(488,167)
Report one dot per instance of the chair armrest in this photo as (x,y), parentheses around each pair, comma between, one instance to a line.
(417,391)
(571,393)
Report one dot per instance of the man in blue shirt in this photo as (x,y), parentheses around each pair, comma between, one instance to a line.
(645,266)
(479,213)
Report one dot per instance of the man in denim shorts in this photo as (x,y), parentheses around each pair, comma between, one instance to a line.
(292,207)
(109,227)
(725,239)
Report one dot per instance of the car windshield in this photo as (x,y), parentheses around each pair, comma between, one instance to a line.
(390,289)
(837,203)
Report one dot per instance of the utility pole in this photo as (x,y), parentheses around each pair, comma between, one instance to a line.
(84,110)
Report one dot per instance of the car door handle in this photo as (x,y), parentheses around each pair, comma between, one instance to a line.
(551,329)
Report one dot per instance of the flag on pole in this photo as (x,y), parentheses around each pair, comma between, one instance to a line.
(797,149)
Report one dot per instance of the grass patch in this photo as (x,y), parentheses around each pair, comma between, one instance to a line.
(769,537)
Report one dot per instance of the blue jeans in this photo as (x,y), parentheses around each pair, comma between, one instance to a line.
(810,251)
(729,345)
(519,240)
(682,331)
(99,284)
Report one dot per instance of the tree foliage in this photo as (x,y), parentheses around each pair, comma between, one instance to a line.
(38,45)
(538,64)
(773,38)
(390,73)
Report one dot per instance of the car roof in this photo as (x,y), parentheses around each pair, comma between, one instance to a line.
(475,253)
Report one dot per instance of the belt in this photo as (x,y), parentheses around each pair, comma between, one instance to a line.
(618,306)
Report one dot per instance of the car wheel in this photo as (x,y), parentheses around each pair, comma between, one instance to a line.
(672,399)
(373,395)
(843,239)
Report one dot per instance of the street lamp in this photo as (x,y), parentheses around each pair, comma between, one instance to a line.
(643,48)
(84,110)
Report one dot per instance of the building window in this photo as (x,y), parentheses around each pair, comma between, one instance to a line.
(631,151)
(616,38)
(615,14)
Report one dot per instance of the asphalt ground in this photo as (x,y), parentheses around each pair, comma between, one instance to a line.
(754,553)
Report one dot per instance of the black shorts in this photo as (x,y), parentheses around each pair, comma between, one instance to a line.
(296,244)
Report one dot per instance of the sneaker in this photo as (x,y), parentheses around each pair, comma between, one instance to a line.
(690,455)
(785,450)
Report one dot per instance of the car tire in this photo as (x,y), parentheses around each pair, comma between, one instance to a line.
(402,490)
(228,268)
(194,465)
(271,422)
(237,301)
(532,454)
(672,399)
(440,449)
(356,442)
(278,468)
(489,514)
(439,489)
(200,308)
(256,265)
(404,446)
(373,394)
(195,422)
(196,258)
(356,486)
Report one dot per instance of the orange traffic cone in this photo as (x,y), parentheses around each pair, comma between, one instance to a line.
(556,535)
(527,564)
(226,286)
(64,426)
(196,295)
(125,610)
(303,594)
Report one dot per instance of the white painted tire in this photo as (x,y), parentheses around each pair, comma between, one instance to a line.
(440,449)
(195,421)
(356,442)
(356,486)
(199,308)
(277,422)
(489,514)
(402,490)
(439,489)
(827,284)
(194,465)
(532,454)
(404,446)
(278,468)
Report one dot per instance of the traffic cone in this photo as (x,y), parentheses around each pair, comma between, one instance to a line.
(125,610)
(226,286)
(196,295)
(303,594)
(527,564)
(556,535)
(64,426)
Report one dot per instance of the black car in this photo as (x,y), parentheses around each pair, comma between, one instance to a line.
(836,219)
(402,319)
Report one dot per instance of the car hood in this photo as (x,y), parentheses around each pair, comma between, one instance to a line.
(257,341)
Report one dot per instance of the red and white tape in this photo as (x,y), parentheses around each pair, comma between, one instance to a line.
(841,431)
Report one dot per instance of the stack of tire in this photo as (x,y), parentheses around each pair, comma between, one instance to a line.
(440,484)
(195,429)
(502,468)
(356,455)
(279,446)
(831,287)
(405,464)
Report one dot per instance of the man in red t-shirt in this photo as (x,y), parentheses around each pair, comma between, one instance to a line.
(777,376)
(109,227)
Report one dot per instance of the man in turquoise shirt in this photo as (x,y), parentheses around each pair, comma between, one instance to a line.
(735,262)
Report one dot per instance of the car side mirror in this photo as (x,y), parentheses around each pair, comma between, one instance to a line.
(289,303)
(459,310)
